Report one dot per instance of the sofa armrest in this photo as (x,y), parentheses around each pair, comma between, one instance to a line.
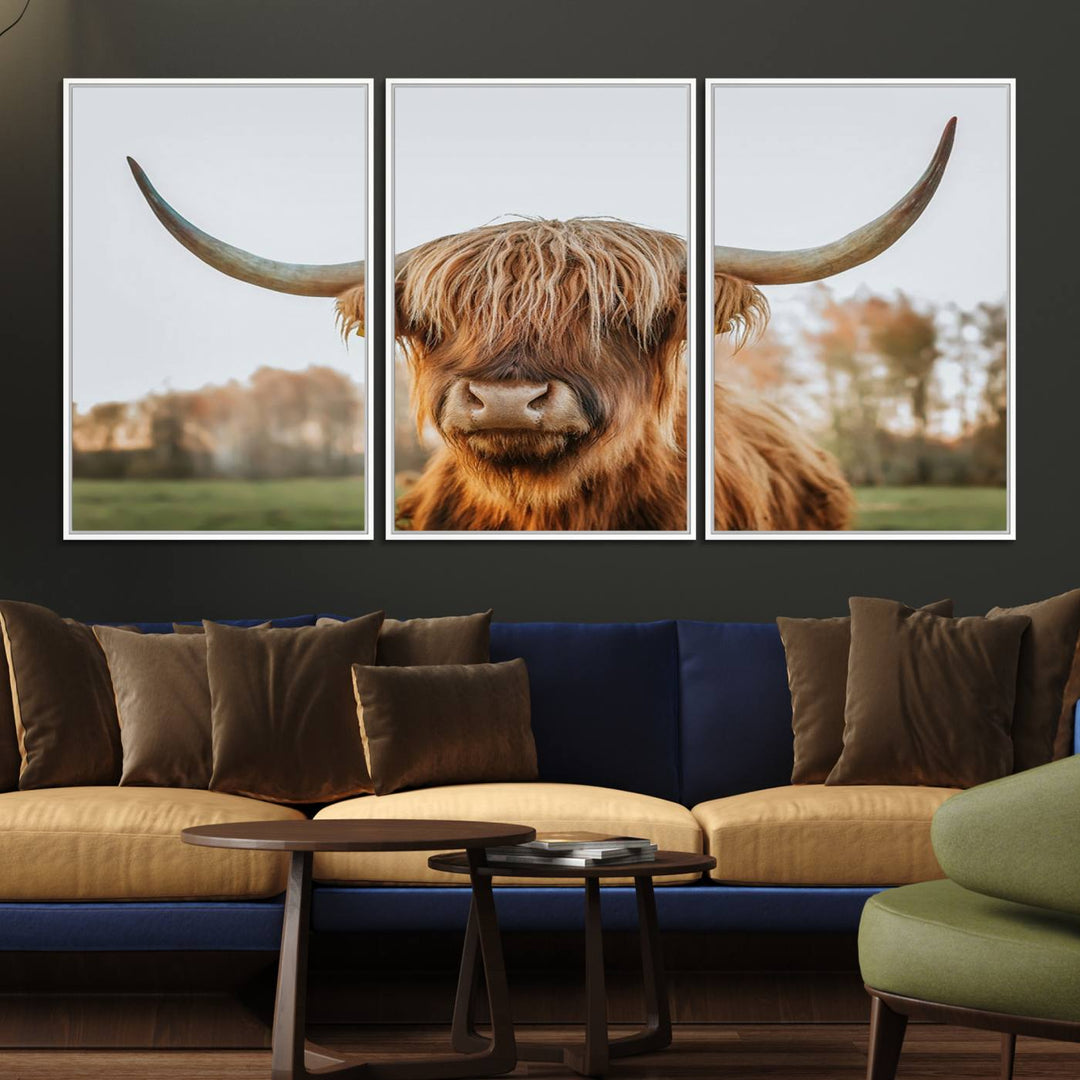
(1017,838)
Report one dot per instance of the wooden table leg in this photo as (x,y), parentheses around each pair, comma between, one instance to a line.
(292,1058)
(464,1037)
(592,1058)
(486,1057)
(656,1034)
(287,1056)
(501,1052)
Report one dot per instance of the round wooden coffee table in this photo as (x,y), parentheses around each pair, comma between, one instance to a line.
(592,1057)
(291,1057)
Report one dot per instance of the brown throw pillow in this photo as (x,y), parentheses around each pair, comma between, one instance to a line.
(163,702)
(1046,656)
(9,740)
(929,699)
(62,697)
(197,628)
(283,713)
(455,639)
(817,664)
(445,724)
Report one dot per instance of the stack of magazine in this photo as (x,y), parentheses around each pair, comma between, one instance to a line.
(575,849)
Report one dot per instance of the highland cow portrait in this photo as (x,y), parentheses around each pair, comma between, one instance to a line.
(203,399)
(540,309)
(860,385)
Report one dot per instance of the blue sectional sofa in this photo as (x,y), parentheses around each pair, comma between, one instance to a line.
(687,721)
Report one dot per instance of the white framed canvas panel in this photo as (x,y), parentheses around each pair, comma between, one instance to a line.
(540,357)
(215,238)
(861,369)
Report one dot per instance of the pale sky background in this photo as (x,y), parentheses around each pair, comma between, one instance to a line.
(277,169)
(468,155)
(802,165)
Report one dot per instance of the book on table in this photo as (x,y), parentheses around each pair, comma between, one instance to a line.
(575,849)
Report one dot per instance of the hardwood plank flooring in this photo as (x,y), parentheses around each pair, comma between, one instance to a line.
(700,1052)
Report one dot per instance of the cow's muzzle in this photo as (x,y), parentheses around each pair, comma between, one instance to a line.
(513,407)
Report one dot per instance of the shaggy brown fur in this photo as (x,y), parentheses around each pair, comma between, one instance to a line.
(739,308)
(601,306)
(767,475)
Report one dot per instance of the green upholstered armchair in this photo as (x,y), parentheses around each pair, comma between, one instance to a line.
(997,944)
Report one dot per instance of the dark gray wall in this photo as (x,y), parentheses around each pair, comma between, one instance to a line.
(1035,42)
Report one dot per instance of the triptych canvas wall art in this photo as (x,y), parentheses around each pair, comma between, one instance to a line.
(550,322)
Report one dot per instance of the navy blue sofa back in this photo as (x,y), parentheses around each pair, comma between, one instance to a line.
(167,627)
(605,701)
(687,711)
(735,710)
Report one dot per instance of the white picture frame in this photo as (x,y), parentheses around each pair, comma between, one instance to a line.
(69,531)
(689,86)
(711,165)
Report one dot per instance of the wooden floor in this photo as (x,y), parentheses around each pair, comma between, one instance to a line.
(725,1052)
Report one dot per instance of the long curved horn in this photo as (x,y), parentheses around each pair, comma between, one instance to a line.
(813,264)
(301,279)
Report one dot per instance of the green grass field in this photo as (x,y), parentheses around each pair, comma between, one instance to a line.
(337,504)
(924,509)
(309,504)
(948,509)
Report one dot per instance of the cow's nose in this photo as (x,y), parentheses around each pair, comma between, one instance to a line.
(513,405)
(507,404)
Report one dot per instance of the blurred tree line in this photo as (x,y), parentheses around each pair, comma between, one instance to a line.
(902,393)
(277,424)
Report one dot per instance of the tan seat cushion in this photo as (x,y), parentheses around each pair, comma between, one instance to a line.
(546,807)
(810,834)
(123,843)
